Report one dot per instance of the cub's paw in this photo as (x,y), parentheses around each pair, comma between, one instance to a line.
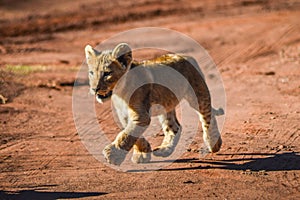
(114,155)
(141,151)
(163,151)
(141,157)
(217,146)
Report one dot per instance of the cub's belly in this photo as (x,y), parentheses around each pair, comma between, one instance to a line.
(152,97)
(163,100)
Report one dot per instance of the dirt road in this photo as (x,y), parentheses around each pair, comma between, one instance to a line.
(256,46)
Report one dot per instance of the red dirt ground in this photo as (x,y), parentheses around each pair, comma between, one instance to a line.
(256,46)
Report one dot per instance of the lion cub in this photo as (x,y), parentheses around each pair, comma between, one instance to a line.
(135,86)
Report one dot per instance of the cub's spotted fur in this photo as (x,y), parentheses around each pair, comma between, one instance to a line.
(109,71)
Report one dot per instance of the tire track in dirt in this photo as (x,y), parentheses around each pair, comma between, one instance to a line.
(20,161)
(51,24)
(260,46)
(96,15)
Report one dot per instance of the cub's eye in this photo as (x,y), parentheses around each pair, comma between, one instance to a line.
(91,73)
(107,74)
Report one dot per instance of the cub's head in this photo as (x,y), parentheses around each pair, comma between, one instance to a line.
(106,68)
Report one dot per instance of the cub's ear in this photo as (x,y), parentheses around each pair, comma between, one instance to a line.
(90,53)
(122,52)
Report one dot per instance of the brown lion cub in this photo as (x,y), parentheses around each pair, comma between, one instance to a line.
(115,70)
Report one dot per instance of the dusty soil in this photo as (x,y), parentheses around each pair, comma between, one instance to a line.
(256,46)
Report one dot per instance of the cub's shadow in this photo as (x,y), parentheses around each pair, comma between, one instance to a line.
(33,194)
(256,162)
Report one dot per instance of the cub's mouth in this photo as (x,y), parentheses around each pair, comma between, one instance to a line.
(100,98)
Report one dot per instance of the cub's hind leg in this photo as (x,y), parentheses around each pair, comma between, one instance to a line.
(172,132)
(202,104)
(211,134)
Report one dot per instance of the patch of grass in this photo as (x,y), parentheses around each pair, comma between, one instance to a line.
(24,69)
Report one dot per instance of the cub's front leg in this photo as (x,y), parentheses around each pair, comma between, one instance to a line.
(116,152)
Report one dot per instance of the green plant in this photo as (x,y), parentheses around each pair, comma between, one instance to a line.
(24,69)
